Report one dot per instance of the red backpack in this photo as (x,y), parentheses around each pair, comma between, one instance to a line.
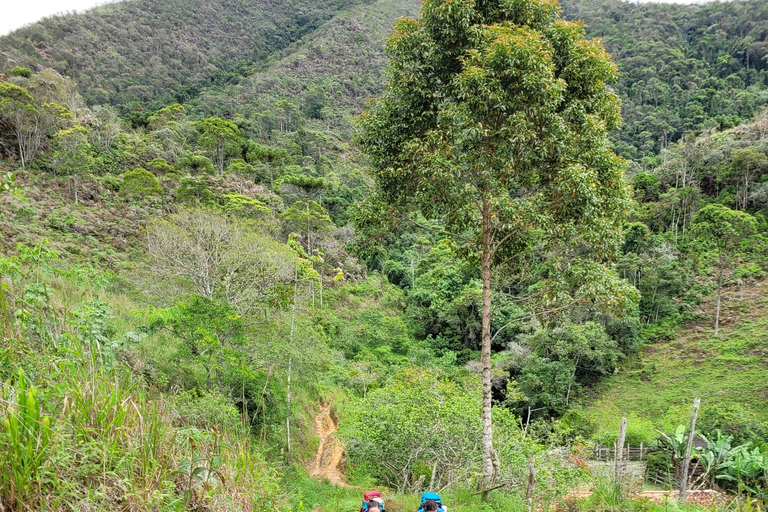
(368,496)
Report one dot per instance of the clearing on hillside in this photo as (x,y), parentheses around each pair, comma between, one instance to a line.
(655,389)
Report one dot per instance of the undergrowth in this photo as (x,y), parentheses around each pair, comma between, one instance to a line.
(83,431)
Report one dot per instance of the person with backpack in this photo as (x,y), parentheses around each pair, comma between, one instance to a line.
(372,499)
(431,502)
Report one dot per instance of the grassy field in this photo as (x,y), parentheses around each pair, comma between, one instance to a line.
(655,390)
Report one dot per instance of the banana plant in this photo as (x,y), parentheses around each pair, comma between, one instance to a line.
(676,442)
(748,469)
(718,451)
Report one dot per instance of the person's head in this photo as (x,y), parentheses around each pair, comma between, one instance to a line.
(374,506)
(430,506)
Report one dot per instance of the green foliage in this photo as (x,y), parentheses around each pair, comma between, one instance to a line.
(194,192)
(8,183)
(171,114)
(659,463)
(289,122)
(21,72)
(201,468)
(140,184)
(673,85)
(722,227)
(25,440)
(209,330)
(196,165)
(71,413)
(409,421)
(222,140)
(309,217)
(556,363)
(159,166)
(239,204)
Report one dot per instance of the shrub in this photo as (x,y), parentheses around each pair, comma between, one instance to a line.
(160,166)
(194,192)
(139,184)
(748,271)
(243,205)
(19,71)
(206,410)
(196,164)
(659,465)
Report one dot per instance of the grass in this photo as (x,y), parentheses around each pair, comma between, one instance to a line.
(80,431)
(655,389)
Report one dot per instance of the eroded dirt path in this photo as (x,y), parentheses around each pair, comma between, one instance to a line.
(330,449)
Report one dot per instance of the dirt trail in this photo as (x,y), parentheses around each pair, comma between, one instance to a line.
(329,450)
(705,497)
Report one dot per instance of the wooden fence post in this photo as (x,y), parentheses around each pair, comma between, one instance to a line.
(688,446)
(620,449)
(531,483)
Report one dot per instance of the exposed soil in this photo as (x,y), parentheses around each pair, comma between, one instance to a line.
(705,498)
(330,450)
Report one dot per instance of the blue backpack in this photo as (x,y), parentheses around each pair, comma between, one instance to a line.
(431,496)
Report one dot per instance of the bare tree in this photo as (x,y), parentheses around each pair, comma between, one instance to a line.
(221,258)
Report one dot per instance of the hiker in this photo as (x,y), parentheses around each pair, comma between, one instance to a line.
(372,499)
(431,502)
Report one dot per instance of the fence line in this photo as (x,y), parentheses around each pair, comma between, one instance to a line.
(607,453)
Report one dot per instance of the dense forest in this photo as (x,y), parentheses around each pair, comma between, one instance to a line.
(208,279)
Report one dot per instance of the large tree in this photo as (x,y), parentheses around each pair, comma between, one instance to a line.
(222,140)
(722,228)
(222,258)
(493,122)
(72,153)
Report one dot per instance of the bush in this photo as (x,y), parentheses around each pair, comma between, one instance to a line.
(659,465)
(193,191)
(19,71)
(196,164)
(139,184)
(638,431)
(160,166)
(419,417)
(206,410)
(748,271)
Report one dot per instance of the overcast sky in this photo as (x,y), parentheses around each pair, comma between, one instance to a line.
(16,13)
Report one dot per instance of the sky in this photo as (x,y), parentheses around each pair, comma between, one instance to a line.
(16,13)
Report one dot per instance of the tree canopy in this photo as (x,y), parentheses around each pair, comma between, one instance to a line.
(494,122)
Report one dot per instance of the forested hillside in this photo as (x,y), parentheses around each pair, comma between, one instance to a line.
(683,68)
(163,52)
(200,264)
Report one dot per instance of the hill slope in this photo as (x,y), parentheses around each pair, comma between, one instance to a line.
(163,51)
(683,67)
(729,373)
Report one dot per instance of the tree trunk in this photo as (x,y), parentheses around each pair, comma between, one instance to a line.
(21,148)
(264,406)
(485,357)
(719,293)
(288,409)
(688,447)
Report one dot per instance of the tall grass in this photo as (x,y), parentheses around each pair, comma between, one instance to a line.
(80,431)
